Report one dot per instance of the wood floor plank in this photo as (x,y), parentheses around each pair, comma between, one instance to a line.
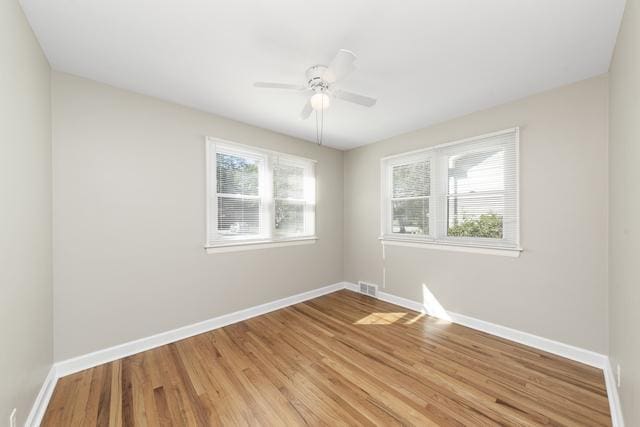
(115,395)
(340,359)
(95,391)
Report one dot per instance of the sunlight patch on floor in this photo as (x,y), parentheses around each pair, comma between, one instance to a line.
(380,319)
(415,319)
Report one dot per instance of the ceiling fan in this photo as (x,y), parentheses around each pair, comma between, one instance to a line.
(321,81)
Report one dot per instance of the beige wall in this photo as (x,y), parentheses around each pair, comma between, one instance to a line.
(25,215)
(129,220)
(624,217)
(558,287)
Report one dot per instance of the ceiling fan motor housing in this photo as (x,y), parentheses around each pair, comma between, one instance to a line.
(315,78)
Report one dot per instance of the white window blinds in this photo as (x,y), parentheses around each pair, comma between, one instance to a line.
(410,198)
(258,195)
(238,194)
(481,189)
(288,194)
(460,193)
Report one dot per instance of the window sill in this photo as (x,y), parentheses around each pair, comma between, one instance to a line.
(260,244)
(455,247)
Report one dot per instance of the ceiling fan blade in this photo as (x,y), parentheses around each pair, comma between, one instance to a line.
(306,111)
(341,66)
(355,98)
(270,85)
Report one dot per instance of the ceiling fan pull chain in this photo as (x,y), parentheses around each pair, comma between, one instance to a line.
(317,137)
(322,123)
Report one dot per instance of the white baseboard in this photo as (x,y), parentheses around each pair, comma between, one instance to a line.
(99,357)
(568,351)
(587,357)
(581,355)
(612,393)
(110,354)
(42,399)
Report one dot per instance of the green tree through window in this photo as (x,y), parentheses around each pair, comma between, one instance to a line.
(487,225)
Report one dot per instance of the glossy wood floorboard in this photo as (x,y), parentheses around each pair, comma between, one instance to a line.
(341,359)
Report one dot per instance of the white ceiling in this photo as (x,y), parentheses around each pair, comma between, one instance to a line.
(425,60)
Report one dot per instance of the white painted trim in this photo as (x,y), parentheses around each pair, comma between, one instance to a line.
(615,407)
(352,286)
(99,357)
(42,399)
(437,238)
(247,246)
(445,246)
(568,351)
(581,355)
(110,354)
(268,159)
(577,354)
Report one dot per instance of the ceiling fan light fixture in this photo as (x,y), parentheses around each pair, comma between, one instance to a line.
(320,101)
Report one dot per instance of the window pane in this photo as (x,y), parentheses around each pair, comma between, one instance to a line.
(289,217)
(476,171)
(237,216)
(288,182)
(237,175)
(476,216)
(411,180)
(411,216)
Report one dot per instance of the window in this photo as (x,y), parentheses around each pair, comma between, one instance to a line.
(238,194)
(257,196)
(291,205)
(410,195)
(463,193)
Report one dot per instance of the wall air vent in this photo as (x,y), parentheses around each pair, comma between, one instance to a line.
(368,289)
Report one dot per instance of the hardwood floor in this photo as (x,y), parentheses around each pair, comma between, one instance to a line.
(341,359)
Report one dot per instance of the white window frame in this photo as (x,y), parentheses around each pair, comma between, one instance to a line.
(308,200)
(216,242)
(387,191)
(438,199)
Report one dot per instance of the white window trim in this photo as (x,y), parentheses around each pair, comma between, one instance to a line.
(255,244)
(231,244)
(461,244)
(413,157)
(450,246)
